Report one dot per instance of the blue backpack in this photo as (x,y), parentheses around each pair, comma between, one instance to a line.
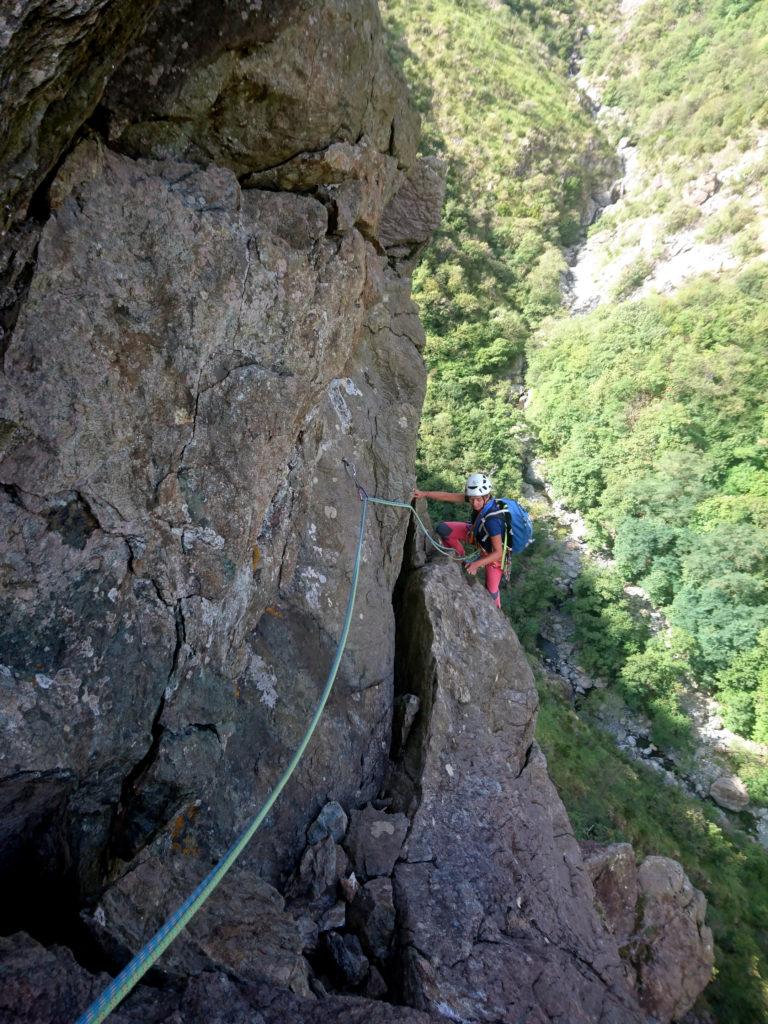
(517,523)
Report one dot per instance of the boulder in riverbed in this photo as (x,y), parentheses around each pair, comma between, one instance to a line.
(729,792)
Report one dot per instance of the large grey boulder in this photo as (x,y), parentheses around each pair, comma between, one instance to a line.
(730,792)
(496,919)
(43,986)
(679,950)
(658,920)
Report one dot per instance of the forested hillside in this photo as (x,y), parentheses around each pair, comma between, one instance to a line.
(653,412)
(649,411)
(523,155)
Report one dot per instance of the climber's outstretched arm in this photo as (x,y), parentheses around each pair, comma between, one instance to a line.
(456,496)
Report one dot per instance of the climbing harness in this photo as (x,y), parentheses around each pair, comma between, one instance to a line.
(125,981)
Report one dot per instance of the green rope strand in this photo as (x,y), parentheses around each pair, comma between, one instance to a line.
(120,986)
(453,555)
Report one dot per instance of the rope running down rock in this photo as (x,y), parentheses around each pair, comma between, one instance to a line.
(129,977)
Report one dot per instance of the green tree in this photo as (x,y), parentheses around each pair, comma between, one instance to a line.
(652,681)
(606,631)
(742,689)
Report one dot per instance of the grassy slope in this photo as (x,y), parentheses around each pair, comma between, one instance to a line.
(657,819)
(492,86)
(687,73)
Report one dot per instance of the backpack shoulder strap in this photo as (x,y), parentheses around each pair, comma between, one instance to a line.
(499,509)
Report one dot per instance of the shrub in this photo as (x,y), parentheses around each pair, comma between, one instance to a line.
(742,689)
(650,550)
(680,218)
(728,221)
(531,588)
(749,243)
(652,682)
(632,277)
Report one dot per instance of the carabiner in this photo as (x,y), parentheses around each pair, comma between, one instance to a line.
(352,474)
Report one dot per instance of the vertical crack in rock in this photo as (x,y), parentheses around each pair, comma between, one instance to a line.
(15,282)
(248,259)
(123,839)
(413,695)
(191,439)
(139,817)
(181,639)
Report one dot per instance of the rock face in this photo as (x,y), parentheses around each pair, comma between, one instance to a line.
(613,870)
(246,929)
(250,86)
(495,911)
(657,918)
(375,841)
(187,364)
(176,412)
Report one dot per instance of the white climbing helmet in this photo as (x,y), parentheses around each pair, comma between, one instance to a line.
(478,485)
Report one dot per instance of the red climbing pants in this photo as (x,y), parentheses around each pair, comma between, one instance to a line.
(455,535)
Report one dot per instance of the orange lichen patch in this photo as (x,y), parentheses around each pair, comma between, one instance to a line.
(274,611)
(181,839)
(255,558)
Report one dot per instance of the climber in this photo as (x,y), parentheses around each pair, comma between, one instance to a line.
(491,539)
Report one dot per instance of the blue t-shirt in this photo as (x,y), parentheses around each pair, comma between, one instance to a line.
(494,525)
